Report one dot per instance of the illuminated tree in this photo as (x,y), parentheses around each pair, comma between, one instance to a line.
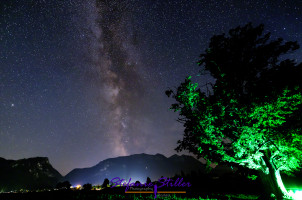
(250,117)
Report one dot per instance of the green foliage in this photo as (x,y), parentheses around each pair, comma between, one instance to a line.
(237,133)
(252,177)
(243,117)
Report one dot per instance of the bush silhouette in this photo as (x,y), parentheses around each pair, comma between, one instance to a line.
(87,186)
(63,185)
(105,183)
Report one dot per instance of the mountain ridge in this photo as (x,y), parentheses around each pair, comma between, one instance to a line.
(27,173)
(135,166)
(127,156)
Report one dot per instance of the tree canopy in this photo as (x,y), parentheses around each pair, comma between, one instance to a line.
(253,114)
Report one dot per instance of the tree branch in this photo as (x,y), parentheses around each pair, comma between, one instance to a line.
(181,120)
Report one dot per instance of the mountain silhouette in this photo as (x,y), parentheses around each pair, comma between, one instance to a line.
(27,174)
(137,167)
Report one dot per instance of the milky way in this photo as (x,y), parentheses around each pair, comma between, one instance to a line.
(116,63)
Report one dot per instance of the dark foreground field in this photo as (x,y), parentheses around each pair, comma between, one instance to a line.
(200,192)
(91,195)
(226,187)
(201,189)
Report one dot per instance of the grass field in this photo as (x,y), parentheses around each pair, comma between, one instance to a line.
(90,195)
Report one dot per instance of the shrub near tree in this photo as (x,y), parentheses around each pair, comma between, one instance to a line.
(251,114)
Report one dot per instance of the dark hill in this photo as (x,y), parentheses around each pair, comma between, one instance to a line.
(31,173)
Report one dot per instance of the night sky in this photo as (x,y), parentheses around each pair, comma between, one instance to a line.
(82,81)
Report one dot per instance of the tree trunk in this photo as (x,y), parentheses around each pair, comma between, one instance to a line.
(273,181)
(273,185)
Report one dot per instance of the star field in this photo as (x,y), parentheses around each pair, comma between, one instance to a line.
(82,81)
